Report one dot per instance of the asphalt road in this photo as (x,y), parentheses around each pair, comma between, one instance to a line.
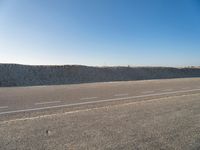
(31,99)
(156,114)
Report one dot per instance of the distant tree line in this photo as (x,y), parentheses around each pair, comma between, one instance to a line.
(23,75)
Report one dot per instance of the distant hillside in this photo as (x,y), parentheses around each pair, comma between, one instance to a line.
(23,75)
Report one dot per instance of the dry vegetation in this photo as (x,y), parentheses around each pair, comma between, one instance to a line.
(23,75)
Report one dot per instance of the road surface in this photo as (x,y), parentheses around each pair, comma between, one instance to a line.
(31,99)
(152,114)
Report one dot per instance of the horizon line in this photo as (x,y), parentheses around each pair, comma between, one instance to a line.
(131,66)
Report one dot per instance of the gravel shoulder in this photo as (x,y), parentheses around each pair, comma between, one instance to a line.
(166,123)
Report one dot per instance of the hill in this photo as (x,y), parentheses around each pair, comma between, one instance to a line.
(25,75)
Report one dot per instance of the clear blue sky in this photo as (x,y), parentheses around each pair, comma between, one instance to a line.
(100,32)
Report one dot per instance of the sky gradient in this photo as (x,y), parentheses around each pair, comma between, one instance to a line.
(100,32)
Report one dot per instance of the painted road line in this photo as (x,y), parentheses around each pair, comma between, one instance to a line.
(185,88)
(3,107)
(50,102)
(123,94)
(88,98)
(167,90)
(95,102)
(147,92)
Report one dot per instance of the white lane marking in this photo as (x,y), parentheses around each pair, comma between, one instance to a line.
(50,102)
(185,88)
(94,102)
(167,90)
(147,92)
(3,107)
(123,94)
(88,98)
